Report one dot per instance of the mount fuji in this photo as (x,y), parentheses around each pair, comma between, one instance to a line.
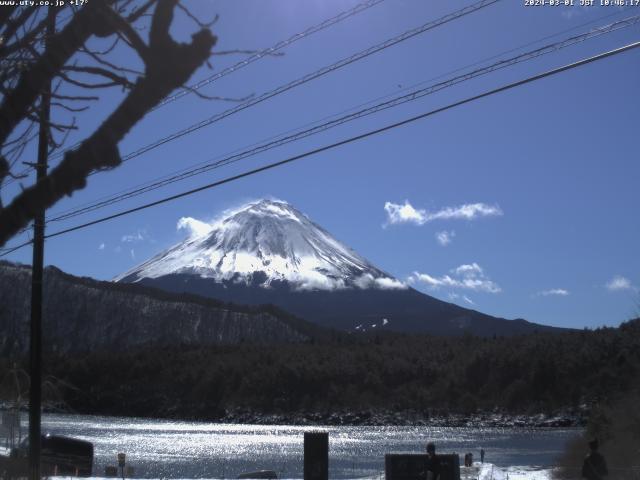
(266,243)
(269,252)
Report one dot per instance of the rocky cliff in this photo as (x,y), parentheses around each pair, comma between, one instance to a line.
(81,314)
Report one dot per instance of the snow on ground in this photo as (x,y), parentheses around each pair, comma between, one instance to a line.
(486,471)
(489,471)
(478,472)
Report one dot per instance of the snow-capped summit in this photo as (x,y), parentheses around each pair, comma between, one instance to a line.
(268,240)
(267,252)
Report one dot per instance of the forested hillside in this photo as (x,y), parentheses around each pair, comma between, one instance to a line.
(428,375)
(84,315)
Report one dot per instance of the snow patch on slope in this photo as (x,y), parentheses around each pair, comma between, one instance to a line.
(269,237)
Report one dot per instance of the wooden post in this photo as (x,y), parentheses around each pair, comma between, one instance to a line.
(316,456)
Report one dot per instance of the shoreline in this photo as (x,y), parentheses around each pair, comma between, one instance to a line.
(381,418)
(408,419)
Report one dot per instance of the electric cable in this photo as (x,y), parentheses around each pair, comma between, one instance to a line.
(256,56)
(399,100)
(312,76)
(349,140)
(355,138)
(406,89)
(304,79)
(271,50)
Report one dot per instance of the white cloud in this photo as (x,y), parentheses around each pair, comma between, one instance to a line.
(445,237)
(196,228)
(407,213)
(101,246)
(469,277)
(619,283)
(468,270)
(133,254)
(559,292)
(466,212)
(385,283)
(139,236)
(429,280)
(404,213)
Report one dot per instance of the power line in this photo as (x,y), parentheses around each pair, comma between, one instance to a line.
(306,78)
(206,163)
(8,251)
(313,75)
(511,50)
(344,142)
(271,50)
(398,100)
(370,133)
(258,56)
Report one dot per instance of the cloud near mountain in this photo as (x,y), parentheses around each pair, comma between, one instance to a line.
(467,276)
(270,242)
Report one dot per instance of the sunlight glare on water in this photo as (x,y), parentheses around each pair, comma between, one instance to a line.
(169,449)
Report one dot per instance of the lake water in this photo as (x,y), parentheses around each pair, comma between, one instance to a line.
(169,449)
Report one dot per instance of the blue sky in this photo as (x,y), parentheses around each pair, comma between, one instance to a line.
(532,191)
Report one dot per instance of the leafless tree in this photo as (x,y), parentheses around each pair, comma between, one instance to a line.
(31,60)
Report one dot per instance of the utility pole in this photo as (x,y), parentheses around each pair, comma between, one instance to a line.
(35,343)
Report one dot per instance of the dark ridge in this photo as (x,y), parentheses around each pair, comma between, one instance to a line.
(83,313)
(407,310)
(185,297)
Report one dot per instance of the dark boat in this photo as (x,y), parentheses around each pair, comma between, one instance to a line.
(60,456)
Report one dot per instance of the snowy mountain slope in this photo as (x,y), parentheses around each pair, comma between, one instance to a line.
(267,252)
(275,239)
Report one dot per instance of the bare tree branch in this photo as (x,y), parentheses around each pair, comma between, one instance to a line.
(97,56)
(4,171)
(60,127)
(68,108)
(77,98)
(96,86)
(5,14)
(123,27)
(54,145)
(168,65)
(196,20)
(26,132)
(121,8)
(62,46)
(115,78)
(136,14)
(109,49)
(211,97)
(12,26)
(27,39)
